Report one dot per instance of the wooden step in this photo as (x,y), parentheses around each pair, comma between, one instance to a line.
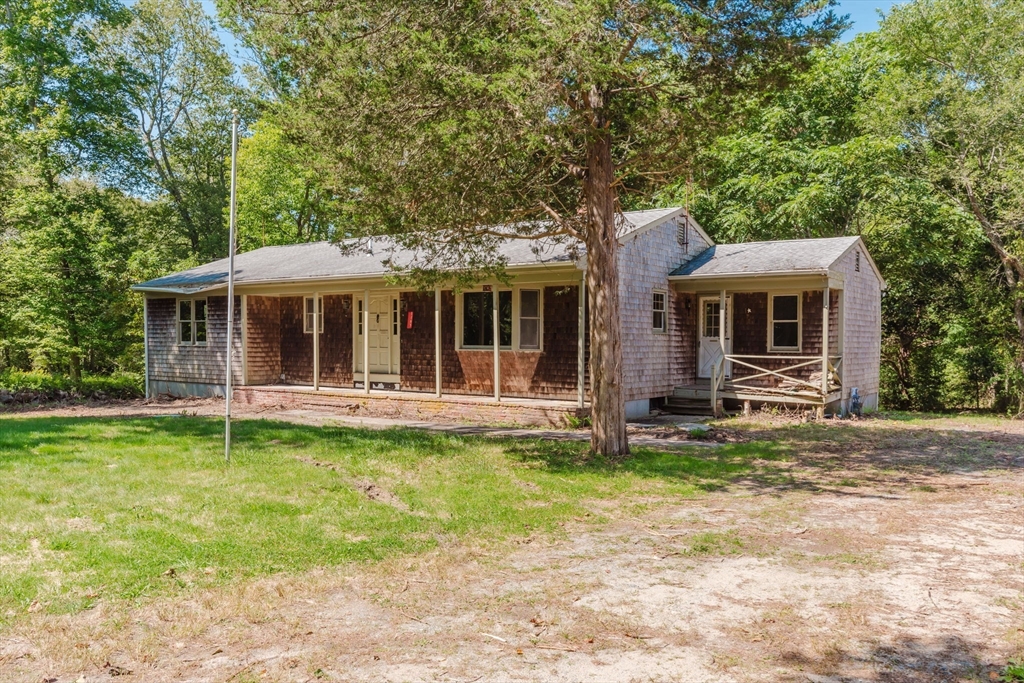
(687,406)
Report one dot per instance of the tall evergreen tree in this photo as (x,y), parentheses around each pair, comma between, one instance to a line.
(455,126)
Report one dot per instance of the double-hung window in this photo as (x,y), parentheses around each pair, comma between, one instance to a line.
(478,319)
(784,326)
(307,326)
(660,308)
(191,321)
(529,319)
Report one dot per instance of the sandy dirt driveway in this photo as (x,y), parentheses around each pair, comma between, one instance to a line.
(889,552)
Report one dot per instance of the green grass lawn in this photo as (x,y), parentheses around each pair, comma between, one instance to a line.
(94,508)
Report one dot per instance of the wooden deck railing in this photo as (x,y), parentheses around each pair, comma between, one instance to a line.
(788,379)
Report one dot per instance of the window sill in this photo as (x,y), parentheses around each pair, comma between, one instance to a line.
(784,349)
(485,348)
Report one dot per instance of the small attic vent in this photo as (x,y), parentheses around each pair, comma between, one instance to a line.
(856,261)
(683,235)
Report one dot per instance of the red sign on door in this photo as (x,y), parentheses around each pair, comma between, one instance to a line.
(408,321)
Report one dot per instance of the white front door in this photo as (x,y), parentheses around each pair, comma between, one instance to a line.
(383,334)
(710,349)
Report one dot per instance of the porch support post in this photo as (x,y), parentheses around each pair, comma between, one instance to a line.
(497,345)
(721,326)
(245,339)
(722,330)
(437,341)
(145,337)
(824,343)
(316,341)
(581,351)
(366,341)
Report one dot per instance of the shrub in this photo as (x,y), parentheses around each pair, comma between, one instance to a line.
(28,387)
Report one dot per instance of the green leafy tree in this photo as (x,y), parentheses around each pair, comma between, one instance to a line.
(63,115)
(61,105)
(804,163)
(535,118)
(953,91)
(281,199)
(799,165)
(67,270)
(183,90)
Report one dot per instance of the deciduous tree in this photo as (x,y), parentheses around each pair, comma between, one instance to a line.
(183,90)
(954,92)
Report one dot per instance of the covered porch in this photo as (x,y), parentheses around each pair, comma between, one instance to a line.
(776,339)
(431,352)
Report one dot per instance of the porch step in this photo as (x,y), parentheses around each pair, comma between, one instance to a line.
(688,406)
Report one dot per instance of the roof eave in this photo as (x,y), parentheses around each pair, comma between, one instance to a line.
(175,290)
(555,265)
(739,275)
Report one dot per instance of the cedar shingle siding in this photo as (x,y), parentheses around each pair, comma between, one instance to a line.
(192,370)
(263,330)
(649,367)
(550,373)
(277,350)
(683,358)
(335,342)
(417,344)
(750,334)
(296,345)
(862,299)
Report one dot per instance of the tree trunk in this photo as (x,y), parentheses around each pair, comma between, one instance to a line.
(607,407)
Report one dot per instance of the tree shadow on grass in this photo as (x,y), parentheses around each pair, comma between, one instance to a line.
(949,659)
(836,459)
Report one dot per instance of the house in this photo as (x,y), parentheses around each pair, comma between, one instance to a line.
(793,322)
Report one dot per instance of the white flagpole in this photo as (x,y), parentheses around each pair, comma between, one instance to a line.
(231,285)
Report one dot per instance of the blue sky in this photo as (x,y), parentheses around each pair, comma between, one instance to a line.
(863,14)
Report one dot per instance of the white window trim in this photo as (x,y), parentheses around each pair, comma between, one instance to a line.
(515,289)
(178,321)
(799,322)
(306,329)
(664,328)
(517,325)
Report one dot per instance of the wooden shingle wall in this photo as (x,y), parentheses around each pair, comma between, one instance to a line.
(263,338)
(650,367)
(811,324)
(336,342)
(863,327)
(750,334)
(417,344)
(550,373)
(683,360)
(297,346)
(172,366)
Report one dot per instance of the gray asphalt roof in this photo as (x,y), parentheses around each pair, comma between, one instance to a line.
(751,258)
(324,260)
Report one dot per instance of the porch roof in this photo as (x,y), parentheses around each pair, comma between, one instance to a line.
(782,257)
(368,258)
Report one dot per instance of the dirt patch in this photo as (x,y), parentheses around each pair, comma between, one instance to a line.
(368,488)
(874,552)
